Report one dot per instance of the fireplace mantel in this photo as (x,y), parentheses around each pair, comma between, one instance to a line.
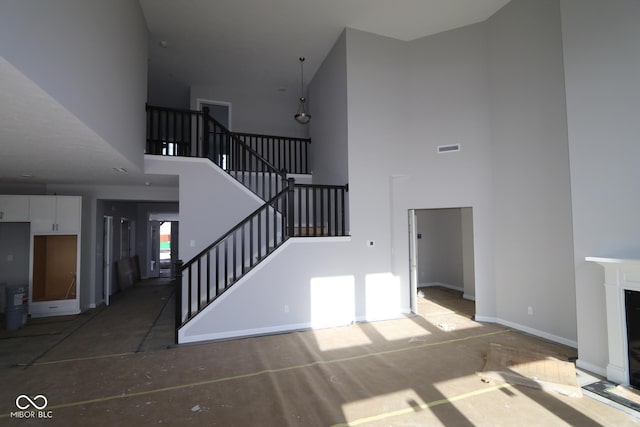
(619,274)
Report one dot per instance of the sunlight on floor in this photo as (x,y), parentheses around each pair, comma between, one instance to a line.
(328,340)
(408,330)
(386,405)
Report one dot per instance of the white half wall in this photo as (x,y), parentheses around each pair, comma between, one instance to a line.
(306,283)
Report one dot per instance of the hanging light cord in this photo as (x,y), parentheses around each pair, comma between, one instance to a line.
(302,77)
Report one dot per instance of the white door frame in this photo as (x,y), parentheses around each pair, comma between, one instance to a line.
(413,261)
(107,257)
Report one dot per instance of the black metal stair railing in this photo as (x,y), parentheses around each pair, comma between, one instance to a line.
(297,211)
(320,210)
(215,269)
(285,153)
(188,133)
(260,163)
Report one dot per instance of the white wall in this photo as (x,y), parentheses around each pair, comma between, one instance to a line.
(602,64)
(329,123)
(269,112)
(530,165)
(211,202)
(318,290)
(91,56)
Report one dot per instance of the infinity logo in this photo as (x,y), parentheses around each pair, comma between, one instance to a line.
(31,402)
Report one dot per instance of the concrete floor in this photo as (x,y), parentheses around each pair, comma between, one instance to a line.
(116,365)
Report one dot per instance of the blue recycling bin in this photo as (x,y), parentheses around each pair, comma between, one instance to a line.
(16,307)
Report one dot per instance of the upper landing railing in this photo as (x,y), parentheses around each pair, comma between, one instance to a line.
(176,132)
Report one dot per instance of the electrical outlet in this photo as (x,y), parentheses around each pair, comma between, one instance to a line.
(286,308)
(9,258)
(530,311)
(371,243)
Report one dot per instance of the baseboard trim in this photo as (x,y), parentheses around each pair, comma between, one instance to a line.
(241,333)
(528,330)
(590,367)
(440,284)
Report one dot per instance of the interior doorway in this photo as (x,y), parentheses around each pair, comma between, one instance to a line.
(442,249)
(165,245)
(219,110)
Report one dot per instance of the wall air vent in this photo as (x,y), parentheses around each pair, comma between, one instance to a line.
(448,148)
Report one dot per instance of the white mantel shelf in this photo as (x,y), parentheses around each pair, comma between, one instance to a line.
(619,275)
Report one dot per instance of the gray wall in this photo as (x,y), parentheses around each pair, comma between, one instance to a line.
(530,165)
(440,247)
(91,56)
(602,65)
(269,112)
(329,124)
(15,243)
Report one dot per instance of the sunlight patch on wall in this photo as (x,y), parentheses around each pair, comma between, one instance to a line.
(332,301)
(382,293)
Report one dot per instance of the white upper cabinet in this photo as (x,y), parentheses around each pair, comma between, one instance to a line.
(14,208)
(55,214)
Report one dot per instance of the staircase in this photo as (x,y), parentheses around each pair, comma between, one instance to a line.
(261,163)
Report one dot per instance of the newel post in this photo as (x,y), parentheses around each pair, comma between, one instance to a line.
(290,206)
(206,149)
(177,278)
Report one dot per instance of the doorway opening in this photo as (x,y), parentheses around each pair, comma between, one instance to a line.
(163,238)
(217,142)
(442,250)
(219,110)
(165,249)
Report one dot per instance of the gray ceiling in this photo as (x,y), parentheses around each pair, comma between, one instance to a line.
(250,44)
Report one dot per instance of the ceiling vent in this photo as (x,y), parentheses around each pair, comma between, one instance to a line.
(448,148)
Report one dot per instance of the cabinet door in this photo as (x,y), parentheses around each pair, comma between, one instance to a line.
(68,212)
(14,208)
(42,213)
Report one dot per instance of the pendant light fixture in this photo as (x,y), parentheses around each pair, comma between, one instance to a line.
(301,116)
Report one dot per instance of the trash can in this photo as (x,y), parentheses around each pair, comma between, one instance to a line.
(16,307)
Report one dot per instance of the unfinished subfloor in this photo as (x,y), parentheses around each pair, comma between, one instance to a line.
(116,365)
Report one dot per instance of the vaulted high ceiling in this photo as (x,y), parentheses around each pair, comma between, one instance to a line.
(254,45)
(249,44)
